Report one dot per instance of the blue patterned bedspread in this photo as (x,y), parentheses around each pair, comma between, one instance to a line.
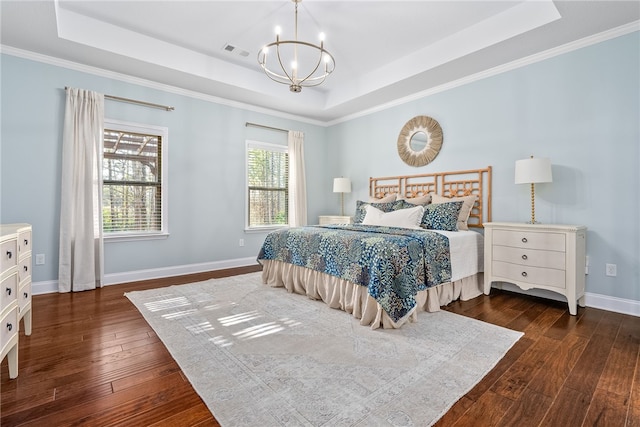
(393,263)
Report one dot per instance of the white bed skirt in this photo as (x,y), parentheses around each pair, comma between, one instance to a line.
(354,298)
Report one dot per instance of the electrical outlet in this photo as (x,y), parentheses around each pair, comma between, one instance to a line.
(39,259)
(241,242)
(611,270)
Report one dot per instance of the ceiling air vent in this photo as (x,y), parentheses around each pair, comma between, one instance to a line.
(235,50)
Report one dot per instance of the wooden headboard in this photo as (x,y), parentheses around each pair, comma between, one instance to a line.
(447,184)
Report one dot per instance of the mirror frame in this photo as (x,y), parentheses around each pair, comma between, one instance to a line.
(432,129)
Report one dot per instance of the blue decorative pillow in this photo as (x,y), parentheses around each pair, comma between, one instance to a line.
(441,216)
(361,208)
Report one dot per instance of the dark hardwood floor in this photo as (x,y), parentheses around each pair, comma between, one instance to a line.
(93,360)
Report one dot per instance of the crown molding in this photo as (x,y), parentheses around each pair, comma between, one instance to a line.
(532,59)
(100,72)
(560,50)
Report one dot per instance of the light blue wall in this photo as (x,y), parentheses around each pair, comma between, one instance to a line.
(581,109)
(206,167)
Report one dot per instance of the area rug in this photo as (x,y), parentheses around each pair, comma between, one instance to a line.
(260,356)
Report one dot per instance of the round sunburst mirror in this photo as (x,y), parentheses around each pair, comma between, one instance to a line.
(420,141)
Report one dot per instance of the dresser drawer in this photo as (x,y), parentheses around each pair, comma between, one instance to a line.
(8,327)
(8,290)
(24,296)
(532,275)
(24,269)
(24,241)
(529,257)
(8,254)
(530,240)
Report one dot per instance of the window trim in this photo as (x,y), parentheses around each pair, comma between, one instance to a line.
(261,145)
(163,132)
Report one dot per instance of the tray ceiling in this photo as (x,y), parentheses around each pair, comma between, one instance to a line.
(385,51)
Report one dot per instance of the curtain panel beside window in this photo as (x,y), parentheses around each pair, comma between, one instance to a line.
(81,242)
(297,180)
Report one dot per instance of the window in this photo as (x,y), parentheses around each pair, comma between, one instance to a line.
(134,180)
(267,185)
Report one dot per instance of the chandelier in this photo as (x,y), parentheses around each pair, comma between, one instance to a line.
(308,64)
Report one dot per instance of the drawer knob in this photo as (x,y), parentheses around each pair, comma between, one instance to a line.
(524,257)
(8,291)
(9,254)
(9,326)
(524,274)
(26,295)
(26,242)
(524,240)
(26,268)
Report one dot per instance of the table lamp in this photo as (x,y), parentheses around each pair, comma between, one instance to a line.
(533,171)
(342,185)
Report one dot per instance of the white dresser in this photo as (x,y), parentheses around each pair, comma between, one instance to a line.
(537,256)
(334,219)
(15,295)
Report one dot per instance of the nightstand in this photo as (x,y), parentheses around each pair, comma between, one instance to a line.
(537,256)
(334,219)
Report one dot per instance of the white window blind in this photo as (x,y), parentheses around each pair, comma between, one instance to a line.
(132,179)
(268,180)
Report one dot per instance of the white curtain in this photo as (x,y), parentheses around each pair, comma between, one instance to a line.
(297,180)
(81,255)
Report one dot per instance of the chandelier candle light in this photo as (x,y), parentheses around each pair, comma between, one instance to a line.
(321,62)
(533,171)
(342,185)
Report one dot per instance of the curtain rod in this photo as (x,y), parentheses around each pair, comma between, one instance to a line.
(265,127)
(135,101)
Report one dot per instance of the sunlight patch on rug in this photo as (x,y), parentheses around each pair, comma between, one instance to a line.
(260,356)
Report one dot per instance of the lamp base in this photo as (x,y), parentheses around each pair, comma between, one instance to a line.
(533,204)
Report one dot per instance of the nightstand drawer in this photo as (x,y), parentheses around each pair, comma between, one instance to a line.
(529,257)
(529,240)
(532,275)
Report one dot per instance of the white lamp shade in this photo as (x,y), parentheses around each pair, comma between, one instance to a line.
(533,170)
(341,185)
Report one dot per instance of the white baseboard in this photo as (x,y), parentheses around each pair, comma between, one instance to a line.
(602,302)
(619,305)
(51,286)
(44,287)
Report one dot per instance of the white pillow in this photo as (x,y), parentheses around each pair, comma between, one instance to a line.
(405,218)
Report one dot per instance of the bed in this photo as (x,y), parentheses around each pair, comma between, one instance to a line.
(397,271)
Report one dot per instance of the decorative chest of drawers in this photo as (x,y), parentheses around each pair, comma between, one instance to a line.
(15,289)
(537,256)
(334,219)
